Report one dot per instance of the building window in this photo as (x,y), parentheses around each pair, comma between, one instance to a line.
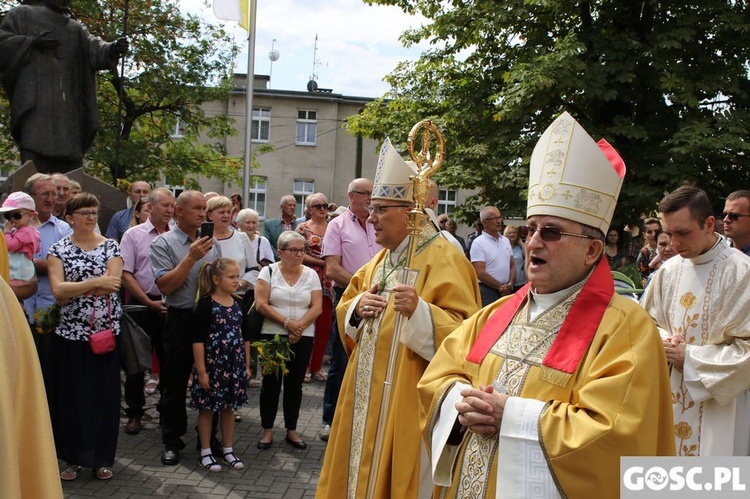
(261,130)
(179,129)
(446,202)
(256,196)
(302,189)
(175,184)
(307,127)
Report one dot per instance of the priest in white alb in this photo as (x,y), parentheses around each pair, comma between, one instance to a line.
(540,393)
(700,300)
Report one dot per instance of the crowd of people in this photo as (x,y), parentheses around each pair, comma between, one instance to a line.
(442,351)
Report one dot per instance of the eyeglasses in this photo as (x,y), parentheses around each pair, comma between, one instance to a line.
(295,251)
(321,206)
(363,193)
(378,209)
(14,216)
(491,219)
(87,214)
(732,216)
(553,234)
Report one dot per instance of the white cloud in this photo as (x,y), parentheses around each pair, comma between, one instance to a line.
(357,44)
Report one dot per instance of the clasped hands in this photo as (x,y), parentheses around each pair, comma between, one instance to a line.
(675,347)
(295,329)
(481,410)
(370,305)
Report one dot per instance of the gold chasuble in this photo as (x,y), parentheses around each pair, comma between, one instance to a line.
(447,284)
(28,462)
(588,383)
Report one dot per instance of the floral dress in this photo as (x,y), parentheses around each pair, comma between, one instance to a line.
(219,328)
(314,248)
(80,265)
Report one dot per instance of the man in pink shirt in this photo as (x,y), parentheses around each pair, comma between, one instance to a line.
(348,245)
(138,281)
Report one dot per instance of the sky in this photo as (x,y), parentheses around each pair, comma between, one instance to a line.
(357,44)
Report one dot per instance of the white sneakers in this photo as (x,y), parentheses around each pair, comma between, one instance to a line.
(324,433)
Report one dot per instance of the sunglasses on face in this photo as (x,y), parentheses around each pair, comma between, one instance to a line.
(733,216)
(14,215)
(378,209)
(320,206)
(553,234)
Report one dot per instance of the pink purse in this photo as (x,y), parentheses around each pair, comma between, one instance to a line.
(102,342)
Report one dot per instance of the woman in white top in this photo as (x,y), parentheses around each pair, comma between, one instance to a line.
(289,296)
(233,243)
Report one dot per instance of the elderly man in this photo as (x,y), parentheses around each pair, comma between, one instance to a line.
(62,184)
(736,218)
(120,221)
(138,281)
(539,394)
(444,292)
(273,228)
(348,245)
(176,258)
(492,258)
(42,188)
(699,299)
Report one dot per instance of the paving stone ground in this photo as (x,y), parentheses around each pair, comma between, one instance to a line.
(280,472)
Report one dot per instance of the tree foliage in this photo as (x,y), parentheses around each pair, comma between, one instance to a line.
(177,62)
(665,82)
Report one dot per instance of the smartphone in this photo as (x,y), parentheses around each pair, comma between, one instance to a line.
(207,229)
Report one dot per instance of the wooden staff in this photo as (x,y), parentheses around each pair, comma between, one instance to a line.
(416,221)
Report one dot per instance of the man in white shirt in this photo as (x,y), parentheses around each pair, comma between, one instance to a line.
(492,258)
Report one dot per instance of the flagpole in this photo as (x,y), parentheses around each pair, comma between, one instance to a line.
(249,97)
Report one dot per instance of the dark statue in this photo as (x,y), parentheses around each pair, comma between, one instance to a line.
(48,64)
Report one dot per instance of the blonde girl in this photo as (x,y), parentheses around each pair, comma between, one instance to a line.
(221,359)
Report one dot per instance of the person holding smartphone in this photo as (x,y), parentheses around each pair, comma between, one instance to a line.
(176,258)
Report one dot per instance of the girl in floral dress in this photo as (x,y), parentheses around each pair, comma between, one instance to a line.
(221,358)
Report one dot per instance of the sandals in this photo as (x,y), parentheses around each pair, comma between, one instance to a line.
(70,473)
(103,473)
(319,376)
(151,386)
(308,377)
(210,463)
(233,461)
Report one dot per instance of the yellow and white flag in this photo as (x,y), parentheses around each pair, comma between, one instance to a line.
(232,10)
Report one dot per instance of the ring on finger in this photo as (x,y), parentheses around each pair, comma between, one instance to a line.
(366,308)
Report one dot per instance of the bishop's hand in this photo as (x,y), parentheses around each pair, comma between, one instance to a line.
(120,47)
(481,410)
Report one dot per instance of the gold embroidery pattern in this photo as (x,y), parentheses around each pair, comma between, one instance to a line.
(476,466)
(366,349)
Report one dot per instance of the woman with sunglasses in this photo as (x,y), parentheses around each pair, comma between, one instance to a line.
(83,387)
(314,230)
(288,295)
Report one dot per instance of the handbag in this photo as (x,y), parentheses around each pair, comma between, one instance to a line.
(102,342)
(253,322)
(135,343)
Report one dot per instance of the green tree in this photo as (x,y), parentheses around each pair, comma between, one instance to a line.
(665,82)
(177,63)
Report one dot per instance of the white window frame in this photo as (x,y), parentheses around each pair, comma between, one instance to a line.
(179,129)
(447,201)
(307,119)
(6,170)
(175,189)
(258,187)
(261,116)
(302,188)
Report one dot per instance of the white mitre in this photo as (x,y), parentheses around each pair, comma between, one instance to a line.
(572,176)
(392,176)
